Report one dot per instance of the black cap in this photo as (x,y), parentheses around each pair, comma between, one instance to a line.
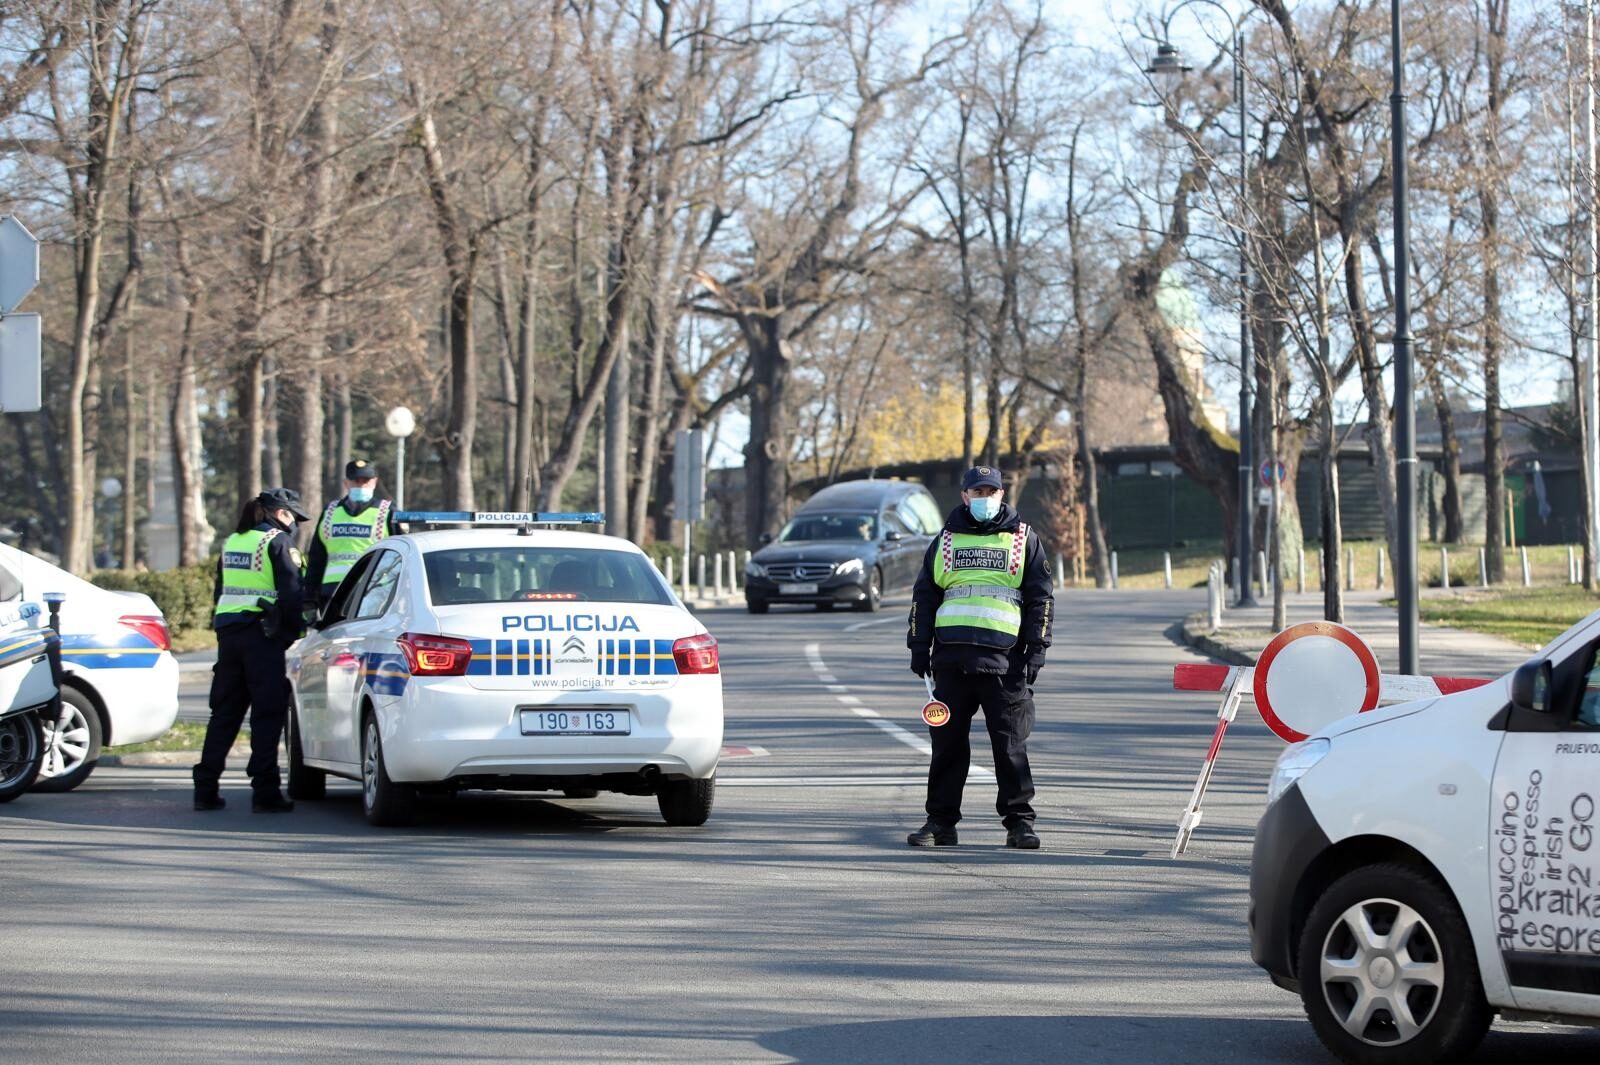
(979,476)
(283,499)
(359,470)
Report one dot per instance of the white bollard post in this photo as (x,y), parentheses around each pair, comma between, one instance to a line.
(1444,568)
(1483,566)
(1166,567)
(1572,566)
(1214,597)
(1383,565)
(688,539)
(1322,571)
(668,573)
(1349,569)
(716,581)
(1527,573)
(700,575)
(1113,569)
(1261,573)
(1061,572)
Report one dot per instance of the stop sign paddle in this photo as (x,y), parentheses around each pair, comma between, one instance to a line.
(1312,674)
(934,712)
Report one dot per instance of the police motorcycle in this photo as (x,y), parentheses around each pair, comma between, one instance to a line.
(30,693)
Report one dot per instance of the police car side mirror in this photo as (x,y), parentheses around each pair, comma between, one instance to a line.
(1531,686)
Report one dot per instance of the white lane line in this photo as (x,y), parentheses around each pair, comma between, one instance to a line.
(858,626)
(910,739)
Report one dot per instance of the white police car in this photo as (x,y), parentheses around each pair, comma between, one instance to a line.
(506,656)
(1425,866)
(120,681)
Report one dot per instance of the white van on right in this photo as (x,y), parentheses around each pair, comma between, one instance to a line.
(1426,866)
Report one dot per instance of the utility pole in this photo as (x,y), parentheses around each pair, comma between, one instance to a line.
(1591,385)
(1405,404)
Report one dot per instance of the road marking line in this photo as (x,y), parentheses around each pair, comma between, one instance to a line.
(858,626)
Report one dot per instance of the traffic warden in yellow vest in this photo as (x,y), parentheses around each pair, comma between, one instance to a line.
(348,527)
(257,617)
(980,623)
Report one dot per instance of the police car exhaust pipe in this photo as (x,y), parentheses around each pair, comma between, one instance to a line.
(651,775)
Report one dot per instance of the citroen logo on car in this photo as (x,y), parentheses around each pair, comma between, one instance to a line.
(573,643)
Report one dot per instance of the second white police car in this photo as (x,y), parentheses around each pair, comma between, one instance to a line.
(506,656)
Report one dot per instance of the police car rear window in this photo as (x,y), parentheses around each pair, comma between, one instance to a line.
(540,574)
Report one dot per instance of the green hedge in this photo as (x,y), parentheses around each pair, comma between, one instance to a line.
(183,594)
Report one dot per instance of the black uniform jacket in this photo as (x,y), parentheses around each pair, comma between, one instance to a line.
(286,575)
(317,554)
(1038,604)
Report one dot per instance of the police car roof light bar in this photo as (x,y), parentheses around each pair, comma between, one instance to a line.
(514,519)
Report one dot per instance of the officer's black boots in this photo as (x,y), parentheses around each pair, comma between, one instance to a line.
(1022,836)
(208,800)
(933,835)
(270,804)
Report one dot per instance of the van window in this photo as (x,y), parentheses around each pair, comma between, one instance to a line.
(920,505)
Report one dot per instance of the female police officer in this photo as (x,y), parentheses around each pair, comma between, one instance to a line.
(257,617)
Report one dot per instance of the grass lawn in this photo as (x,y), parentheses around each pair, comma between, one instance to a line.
(1529,616)
(182,736)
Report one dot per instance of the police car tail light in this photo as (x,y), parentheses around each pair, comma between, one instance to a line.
(696,654)
(151,627)
(435,656)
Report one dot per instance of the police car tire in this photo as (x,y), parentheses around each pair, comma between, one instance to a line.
(385,803)
(1460,1017)
(687,803)
(25,732)
(80,702)
(304,781)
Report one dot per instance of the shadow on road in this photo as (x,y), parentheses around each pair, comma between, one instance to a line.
(1025,1040)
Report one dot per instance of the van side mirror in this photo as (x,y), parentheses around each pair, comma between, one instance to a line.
(1531,686)
(893,536)
(766,538)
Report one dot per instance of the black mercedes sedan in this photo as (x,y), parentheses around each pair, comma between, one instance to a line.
(851,543)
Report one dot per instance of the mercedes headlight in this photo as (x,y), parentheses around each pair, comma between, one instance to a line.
(847,567)
(754,569)
(1295,763)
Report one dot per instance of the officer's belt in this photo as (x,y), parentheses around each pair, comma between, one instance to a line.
(988,591)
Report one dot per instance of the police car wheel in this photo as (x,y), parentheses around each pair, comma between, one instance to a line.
(382,800)
(71,744)
(1387,970)
(687,803)
(21,751)
(304,781)
(874,594)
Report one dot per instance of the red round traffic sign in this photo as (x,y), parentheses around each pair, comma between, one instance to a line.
(1312,674)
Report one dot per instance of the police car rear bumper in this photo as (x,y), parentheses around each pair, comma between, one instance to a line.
(142,702)
(440,731)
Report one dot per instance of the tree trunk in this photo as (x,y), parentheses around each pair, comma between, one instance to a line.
(1454,520)
(1376,431)
(618,416)
(767,454)
(1332,531)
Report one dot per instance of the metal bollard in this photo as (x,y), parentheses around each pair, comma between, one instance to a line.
(1444,568)
(733,570)
(1349,569)
(1113,569)
(1300,574)
(1527,573)
(668,572)
(1166,567)
(1572,565)
(1383,565)
(1261,572)
(716,580)
(700,576)
(1061,572)
(1322,571)
(1483,566)
(1214,597)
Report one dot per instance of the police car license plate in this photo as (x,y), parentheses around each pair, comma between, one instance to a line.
(797,589)
(611,722)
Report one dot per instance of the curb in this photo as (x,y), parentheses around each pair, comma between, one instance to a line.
(1197,633)
(157,758)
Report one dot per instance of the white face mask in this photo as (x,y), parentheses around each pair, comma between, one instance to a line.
(360,493)
(984,508)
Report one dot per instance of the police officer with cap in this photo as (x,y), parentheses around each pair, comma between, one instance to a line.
(980,624)
(349,526)
(257,616)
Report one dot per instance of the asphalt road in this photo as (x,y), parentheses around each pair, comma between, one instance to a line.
(795,927)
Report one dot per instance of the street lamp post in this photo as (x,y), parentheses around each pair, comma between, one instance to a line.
(1169,61)
(1405,432)
(400,424)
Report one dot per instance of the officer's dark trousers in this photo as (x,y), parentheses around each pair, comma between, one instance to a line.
(249,676)
(1008,711)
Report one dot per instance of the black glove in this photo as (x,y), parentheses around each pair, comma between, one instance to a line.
(921,661)
(1033,672)
(1035,662)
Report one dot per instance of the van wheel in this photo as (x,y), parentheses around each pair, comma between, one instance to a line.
(869,605)
(687,803)
(71,743)
(382,800)
(304,781)
(1387,970)
(756,606)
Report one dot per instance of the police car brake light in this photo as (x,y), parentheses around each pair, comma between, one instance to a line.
(435,656)
(696,654)
(151,627)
